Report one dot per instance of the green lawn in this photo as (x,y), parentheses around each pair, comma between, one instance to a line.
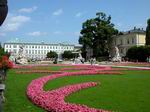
(126,93)
(16,99)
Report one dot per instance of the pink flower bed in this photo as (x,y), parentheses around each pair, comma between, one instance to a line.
(53,100)
(87,67)
(38,71)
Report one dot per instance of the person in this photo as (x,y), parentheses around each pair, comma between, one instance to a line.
(91,61)
(3,10)
(94,60)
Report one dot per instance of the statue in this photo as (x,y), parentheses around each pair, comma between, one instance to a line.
(3,10)
(116,57)
(79,59)
(20,59)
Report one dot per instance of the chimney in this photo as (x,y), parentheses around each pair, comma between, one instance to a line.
(135,28)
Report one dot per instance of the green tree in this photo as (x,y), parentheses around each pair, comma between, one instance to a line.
(148,32)
(52,54)
(2,52)
(97,33)
(68,55)
(138,53)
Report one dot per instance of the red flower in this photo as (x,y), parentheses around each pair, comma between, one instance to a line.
(5,63)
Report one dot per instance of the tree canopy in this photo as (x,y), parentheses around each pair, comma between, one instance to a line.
(52,54)
(97,33)
(68,55)
(148,32)
(2,52)
(138,53)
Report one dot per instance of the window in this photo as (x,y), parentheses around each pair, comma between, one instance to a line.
(121,42)
(14,46)
(44,52)
(15,51)
(128,41)
(124,50)
(121,50)
(132,40)
(32,51)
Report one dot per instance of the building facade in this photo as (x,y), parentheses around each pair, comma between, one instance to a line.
(135,37)
(37,50)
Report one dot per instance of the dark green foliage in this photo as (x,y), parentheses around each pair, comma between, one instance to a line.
(148,32)
(2,52)
(67,55)
(138,53)
(97,34)
(52,54)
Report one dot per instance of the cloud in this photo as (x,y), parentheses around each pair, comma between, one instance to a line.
(119,24)
(2,34)
(37,33)
(13,23)
(79,14)
(58,12)
(57,32)
(28,10)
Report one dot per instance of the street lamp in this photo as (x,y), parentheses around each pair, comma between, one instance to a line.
(3,10)
(3,14)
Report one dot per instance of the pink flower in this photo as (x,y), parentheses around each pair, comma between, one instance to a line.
(54,100)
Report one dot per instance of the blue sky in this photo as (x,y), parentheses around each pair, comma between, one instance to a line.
(60,21)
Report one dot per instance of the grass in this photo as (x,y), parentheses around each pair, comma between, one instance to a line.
(15,93)
(126,93)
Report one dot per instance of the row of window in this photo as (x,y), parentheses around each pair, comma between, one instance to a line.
(30,51)
(40,47)
(128,41)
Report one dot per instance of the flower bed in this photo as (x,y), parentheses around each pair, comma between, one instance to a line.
(38,71)
(54,100)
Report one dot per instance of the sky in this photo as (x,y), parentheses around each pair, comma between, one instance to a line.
(60,21)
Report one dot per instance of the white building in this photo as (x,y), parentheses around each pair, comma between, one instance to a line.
(37,50)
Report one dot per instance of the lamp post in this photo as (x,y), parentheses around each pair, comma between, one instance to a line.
(3,14)
(3,10)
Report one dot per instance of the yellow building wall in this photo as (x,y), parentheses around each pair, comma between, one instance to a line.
(140,39)
(129,40)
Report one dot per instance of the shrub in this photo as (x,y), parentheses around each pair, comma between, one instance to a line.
(52,54)
(138,53)
(68,55)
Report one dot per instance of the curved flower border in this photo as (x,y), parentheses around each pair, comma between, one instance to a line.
(53,100)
